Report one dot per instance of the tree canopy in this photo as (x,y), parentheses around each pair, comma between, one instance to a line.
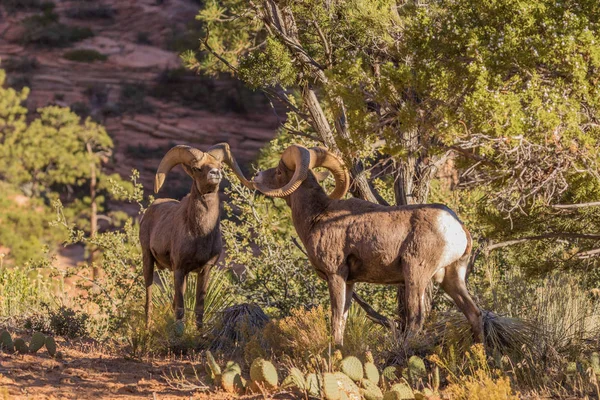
(506,90)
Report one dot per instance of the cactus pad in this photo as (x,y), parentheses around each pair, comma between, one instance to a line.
(232,381)
(312,385)
(6,341)
(352,367)
(263,372)
(331,389)
(370,390)
(416,369)
(50,346)
(399,391)
(390,374)
(212,368)
(294,380)
(38,340)
(21,346)
(371,372)
(232,365)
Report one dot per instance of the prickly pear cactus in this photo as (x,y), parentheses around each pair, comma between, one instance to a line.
(232,381)
(390,375)
(232,365)
(6,342)
(436,379)
(336,357)
(352,367)
(331,389)
(399,391)
(348,388)
(370,390)
(595,362)
(21,346)
(416,369)
(38,340)
(263,372)
(50,346)
(313,388)
(212,368)
(371,372)
(295,380)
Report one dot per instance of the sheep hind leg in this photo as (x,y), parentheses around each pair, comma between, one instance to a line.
(414,292)
(337,293)
(148,262)
(454,284)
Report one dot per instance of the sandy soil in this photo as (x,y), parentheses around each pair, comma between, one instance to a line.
(85,372)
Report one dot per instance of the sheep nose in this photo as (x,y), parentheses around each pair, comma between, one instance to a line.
(214,173)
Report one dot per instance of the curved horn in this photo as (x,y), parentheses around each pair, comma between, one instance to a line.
(324,158)
(296,158)
(177,155)
(222,152)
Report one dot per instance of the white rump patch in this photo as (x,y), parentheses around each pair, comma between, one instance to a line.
(454,236)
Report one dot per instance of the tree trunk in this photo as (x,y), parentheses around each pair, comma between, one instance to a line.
(362,188)
(93,212)
(412,181)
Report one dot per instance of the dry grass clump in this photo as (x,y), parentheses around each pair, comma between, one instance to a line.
(475,380)
(303,334)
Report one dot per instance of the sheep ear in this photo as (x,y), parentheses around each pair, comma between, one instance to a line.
(187,170)
(321,175)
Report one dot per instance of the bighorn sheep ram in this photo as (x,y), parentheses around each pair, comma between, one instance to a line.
(185,236)
(349,241)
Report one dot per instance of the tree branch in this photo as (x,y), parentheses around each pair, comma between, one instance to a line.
(575,206)
(569,235)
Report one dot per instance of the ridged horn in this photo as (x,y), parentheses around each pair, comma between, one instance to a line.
(322,157)
(222,152)
(296,158)
(177,155)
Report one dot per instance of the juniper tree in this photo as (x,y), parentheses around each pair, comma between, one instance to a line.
(507,90)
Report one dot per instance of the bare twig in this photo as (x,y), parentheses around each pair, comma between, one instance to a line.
(575,206)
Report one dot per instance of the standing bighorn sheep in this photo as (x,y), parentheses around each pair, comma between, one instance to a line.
(349,241)
(185,236)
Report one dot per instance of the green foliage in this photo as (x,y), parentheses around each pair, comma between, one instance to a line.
(46,30)
(132,99)
(61,321)
(85,11)
(268,65)
(84,55)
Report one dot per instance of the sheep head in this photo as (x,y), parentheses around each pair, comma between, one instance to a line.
(295,165)
(205,168)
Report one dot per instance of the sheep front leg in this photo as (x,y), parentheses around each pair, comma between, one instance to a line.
(148,280)
(337,293)
(347,304)
(178,306)
(201,288)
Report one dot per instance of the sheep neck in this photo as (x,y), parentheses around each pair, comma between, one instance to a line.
(202,211)
(308,203)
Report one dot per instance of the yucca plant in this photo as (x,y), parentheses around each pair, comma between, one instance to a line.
(218,295)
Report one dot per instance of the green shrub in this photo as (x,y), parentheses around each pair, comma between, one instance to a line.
(132,99)
(143,38)
(25,5)
(22,64)
(46,30)
(63,321)
(91,12)
(84,55)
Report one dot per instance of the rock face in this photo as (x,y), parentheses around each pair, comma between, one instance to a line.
(140,93)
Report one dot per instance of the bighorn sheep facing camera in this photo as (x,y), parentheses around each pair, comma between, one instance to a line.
(349,241)
(185,236)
